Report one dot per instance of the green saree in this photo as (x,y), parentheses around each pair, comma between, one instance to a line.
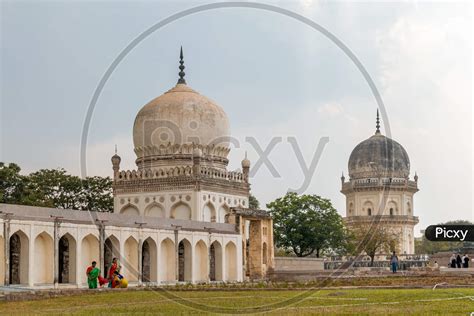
(92,276)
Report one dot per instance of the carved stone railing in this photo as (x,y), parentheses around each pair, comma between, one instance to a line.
(385,183)
(179,172)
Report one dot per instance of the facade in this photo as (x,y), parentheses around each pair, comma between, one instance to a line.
(380,190)
(181,216)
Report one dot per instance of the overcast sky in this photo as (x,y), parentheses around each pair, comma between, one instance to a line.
(273,75)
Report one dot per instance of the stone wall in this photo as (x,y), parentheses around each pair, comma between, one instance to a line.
(283,264)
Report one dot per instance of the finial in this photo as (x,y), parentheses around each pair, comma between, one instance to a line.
(245,154)
(115,148)
(181,68)
(377,131)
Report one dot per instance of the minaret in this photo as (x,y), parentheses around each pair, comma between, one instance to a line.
(181,68)
(246,167)
(377,124)
(116,163)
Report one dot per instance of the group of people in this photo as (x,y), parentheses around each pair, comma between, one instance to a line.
(456,261)
(114,278)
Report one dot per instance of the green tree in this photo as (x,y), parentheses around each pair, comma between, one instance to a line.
(55,188)
(253,202)
(372,239)
(306,224)
(12,184)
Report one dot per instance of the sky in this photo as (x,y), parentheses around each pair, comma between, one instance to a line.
(273,75)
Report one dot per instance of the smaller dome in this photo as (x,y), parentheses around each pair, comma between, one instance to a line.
(245,162)
(379,156)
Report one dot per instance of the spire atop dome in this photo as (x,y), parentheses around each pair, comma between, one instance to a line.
(181,68)
(377,125)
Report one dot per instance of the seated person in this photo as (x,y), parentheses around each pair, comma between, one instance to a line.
(119,281)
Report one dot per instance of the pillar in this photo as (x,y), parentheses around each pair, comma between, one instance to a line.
(56,253)
(140,260)
(176,256)
(79,268)
(101,247)
(6,249)
(255,250)
(31,255)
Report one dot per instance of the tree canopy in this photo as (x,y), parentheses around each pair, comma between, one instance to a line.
(253,202)
(54,188)
(306,224)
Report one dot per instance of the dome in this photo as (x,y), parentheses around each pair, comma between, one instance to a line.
(181,116)
(379,156)
(172,125)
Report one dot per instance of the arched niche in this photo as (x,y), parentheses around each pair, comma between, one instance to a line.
(89,252)
(181,210)
(231,261)
(223,211)
(111,251)
(44,259)
(167,261)
(209,213)
(185,262)
(67,259)
(130,259)
(368,208)
(155,210)
(149,264)
(200,261)
(19,258)
(130,210)
(215,264)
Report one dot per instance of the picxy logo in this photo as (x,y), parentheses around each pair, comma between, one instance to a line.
(450,233)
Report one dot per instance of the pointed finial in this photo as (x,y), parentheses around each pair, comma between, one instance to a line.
(377,125)
(245,154)
(115,148)
(181,68)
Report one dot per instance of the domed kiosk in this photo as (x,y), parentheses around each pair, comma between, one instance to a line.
(379,188)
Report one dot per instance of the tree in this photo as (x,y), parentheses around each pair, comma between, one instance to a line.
(55,188)
(372,239)
(306,224)
(253,202)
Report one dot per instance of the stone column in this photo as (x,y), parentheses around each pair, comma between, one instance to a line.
(140,260)
(79,268)
(6,249)
(176,251)
(31,255)
(255,250)
(101,247)
(56,253)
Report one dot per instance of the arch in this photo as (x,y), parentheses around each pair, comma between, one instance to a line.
(392,208)
(111,251)
(67,259)
(223,211)
(130,210)
(89,252)
(19,258)
(408,207)
(264,253)
(215,264)
(351,208)
(181,210)
(167,261)
(201,257)
(44,257)
(368,208)
(231,261)
(209,213)
(130,264)
(149,264)
(155,210)
(185,263)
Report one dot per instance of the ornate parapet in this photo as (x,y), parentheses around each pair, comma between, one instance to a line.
(379,184)
(183,177)
(383,219)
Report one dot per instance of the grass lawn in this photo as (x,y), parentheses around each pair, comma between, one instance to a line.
(347,301)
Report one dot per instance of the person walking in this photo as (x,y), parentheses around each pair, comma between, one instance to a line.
(458,261)
(394,262)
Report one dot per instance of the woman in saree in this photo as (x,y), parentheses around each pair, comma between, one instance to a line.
(113,268)
(92,274)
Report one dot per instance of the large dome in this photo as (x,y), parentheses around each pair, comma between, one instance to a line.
(178,117)
(379,156)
